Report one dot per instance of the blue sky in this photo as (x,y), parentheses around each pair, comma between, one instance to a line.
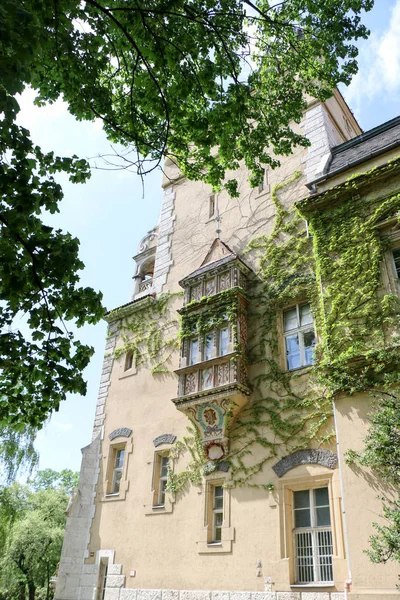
(110,215)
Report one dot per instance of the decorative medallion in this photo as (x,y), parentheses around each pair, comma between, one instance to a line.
(211,419)
(214,451)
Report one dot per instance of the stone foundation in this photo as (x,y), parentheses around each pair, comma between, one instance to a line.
(134,594)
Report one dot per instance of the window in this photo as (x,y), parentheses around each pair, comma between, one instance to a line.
(216,534)
(299,336)
(211,206)
(223,341)
(119,454)
(396,261)
(217,513)
(162,479)
(101,588)
(210,287)
(204,351)
(208,345)
(261,186)
(194,348)
(313,548)
(128,360)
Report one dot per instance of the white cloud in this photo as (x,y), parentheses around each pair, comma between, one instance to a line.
(379,64)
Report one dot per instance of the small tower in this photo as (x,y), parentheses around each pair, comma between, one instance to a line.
(145,258)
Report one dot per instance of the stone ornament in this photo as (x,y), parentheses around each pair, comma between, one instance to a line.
(165,438)
(120,432)
(325,458)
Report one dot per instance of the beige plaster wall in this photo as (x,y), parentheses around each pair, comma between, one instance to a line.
(162,548)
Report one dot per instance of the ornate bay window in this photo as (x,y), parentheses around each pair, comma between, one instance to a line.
(213,367)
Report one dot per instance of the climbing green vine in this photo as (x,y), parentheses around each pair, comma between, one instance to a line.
(149,332)
(326,251)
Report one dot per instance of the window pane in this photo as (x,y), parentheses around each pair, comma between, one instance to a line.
(117,481)
(194,346)
(223,342)
(119,459)
(302,499)
(302,517)
(290,319)
(164,466)
(321,497)
(218,519)
(211,206)
(309,345)
(208,344)
(218,502)
(218,490)
(323,516)
(217,537)
(210,287)
(305,315)
(396,258)
(293,351)
(207,378)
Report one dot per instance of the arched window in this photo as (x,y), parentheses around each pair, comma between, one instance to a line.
(128,360)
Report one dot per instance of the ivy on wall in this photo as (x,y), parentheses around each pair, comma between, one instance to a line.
(213,312)
(338,270)
(149,332)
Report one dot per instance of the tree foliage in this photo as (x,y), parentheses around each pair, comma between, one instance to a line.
(381,453)
(176,79)
(32,522)
(17,452)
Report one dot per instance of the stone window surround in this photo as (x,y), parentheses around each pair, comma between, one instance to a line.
(204,545)
(116,444)
(152,507)
(283,498)
(390,230)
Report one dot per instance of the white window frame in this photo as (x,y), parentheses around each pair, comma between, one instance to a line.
(116,470)
(201,345)
(313,532)
(216,512)
(193,360)
(220,330)
(396,270)
(162,479)
(300,330)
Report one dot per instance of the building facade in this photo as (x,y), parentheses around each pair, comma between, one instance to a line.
(226,406)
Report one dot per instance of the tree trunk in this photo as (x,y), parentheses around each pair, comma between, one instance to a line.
(21,590)
(31,590)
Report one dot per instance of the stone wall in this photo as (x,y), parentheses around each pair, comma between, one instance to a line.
(70,585)
(133,594)
(321,132)
(75,580)
(163,253)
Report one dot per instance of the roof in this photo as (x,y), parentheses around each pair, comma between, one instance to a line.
(219,254)
(117,312)
(359,149)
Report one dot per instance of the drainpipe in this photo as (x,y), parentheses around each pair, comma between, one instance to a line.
(348,581)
